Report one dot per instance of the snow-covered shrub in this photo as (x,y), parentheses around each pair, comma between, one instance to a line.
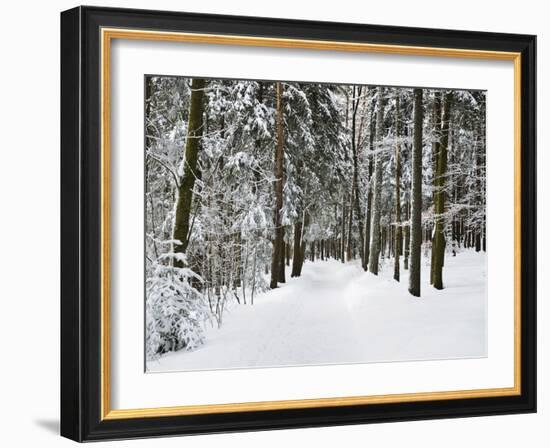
(175,310)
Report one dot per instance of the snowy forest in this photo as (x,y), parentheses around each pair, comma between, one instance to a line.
(300,223)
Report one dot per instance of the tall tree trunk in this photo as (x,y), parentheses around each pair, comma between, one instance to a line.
(287,252)
(237,248)
(185,189)
(278,190)
(440,196)
(416,212)
(149,128)
(297,258)
(480,174)
(305,223)
(378,166)
(407,236)
(382,241)
(372,128)
(436,136)
(343,242)
(398,239)
(282,278)
(350,222)
(355,184)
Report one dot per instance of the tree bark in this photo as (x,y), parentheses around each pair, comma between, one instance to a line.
(406,236)
(397,243)
(287,253)
(436,135)
(149,129)
(350,222)
(297,258)
(185,189)
(281,277)
(237,257)
(355,184)
(372,128)
(416,212)
(378,165)
(278,190)
(438,245)
(343,242)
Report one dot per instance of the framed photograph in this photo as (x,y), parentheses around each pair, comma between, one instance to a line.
(272,224)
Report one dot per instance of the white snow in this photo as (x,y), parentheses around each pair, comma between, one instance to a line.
(335,313)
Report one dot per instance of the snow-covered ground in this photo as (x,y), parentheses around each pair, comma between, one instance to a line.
(335,313)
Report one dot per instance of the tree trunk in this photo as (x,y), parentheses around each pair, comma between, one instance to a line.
(278,191)
(355,184)
(438,245)
(343,242)
(407,237)
(297,252)
(287,252)
(383,232)
(416,212)
(237,256)
(397,243)
(281,277)
(149,128)
(185,189)
(303,245)
(299,246)
(350,222)
(375,238)
(480,175)
(372,128)
(436,135)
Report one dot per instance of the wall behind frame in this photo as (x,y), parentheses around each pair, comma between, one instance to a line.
(29,186)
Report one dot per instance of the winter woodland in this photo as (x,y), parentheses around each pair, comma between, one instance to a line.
(293,223)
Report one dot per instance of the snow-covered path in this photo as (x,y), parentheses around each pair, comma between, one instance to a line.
(335,313)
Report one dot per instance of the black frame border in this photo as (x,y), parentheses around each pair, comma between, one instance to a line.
(81,224)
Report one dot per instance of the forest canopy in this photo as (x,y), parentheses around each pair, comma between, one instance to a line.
(246,181)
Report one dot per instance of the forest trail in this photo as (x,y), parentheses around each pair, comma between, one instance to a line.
(335,313)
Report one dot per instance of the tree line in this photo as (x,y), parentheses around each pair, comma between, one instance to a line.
(245,178)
